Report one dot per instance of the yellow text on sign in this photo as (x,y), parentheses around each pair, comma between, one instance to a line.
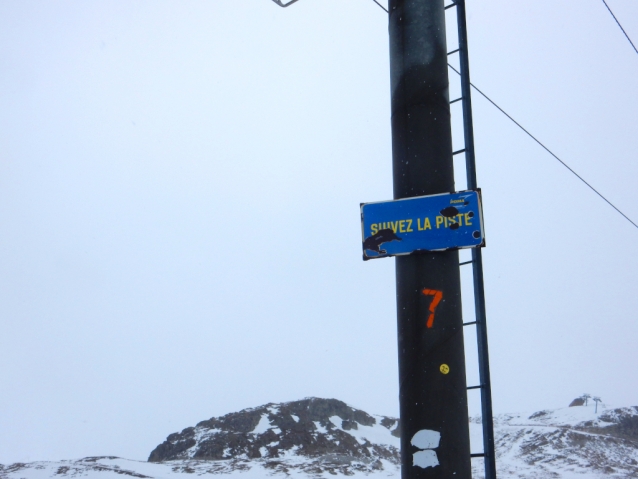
(408,225)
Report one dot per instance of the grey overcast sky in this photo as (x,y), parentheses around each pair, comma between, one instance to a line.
(179,210)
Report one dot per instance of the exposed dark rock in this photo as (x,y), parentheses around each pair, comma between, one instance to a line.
(577,402)
(389,423)
(318,438)
(539,414)
(349,425)
(172,447)
(624,424)
(312,427)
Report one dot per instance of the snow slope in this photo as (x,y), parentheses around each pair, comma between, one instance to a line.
(566,443)
(321,438)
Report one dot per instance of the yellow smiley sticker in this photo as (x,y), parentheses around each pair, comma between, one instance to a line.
(444,368)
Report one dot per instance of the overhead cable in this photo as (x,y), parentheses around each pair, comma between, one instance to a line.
(384,9)
(547,149)
(623,30)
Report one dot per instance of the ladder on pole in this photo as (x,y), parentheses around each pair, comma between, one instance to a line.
(485,387)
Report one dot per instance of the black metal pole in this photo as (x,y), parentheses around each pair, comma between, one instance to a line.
(477,258)
(433,396)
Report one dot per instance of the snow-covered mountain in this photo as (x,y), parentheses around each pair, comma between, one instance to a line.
(567,443)
(315,438)
(326,434)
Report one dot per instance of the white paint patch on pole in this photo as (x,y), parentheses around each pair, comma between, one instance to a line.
(424,459)
(426,439)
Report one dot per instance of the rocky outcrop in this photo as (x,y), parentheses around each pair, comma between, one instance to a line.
(320,438)
(577,402)
(327,430)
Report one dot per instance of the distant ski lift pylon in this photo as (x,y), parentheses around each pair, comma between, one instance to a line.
(284,5)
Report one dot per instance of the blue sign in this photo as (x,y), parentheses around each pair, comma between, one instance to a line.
(422,223)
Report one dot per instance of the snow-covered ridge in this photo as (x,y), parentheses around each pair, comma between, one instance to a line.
(117,468)
(565,443)
(320,438)
(311,428)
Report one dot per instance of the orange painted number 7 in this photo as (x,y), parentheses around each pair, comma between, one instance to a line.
(438,296)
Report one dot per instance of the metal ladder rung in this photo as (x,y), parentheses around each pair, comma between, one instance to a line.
(484,374)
